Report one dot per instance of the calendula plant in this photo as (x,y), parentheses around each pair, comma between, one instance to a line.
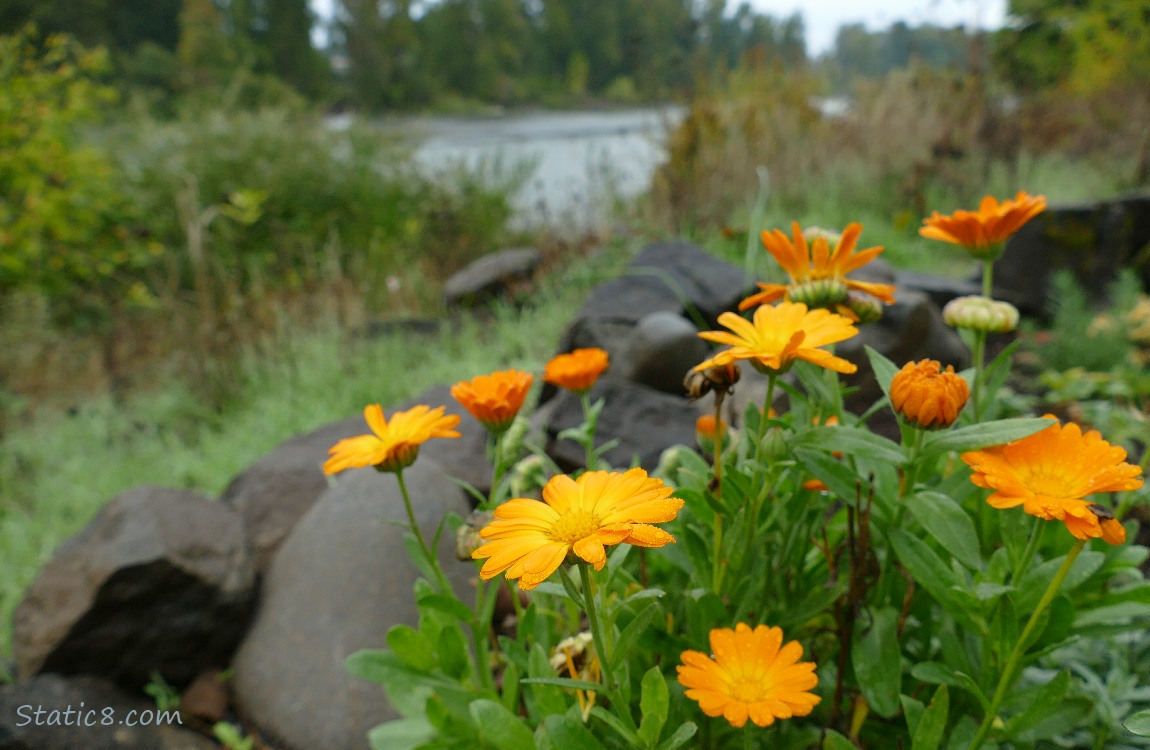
(799,582)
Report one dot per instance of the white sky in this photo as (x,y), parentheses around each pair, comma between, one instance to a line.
(823,17)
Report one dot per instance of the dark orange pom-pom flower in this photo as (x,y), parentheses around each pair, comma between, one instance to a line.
(752,674)
(494,399)
(928,396)
(578,370)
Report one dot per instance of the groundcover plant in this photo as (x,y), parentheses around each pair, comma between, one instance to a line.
(796,580)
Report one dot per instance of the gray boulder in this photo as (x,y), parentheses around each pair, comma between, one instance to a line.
(277,490)
(340,580)
(92,702)
(492,276)
(160,581)
(660,351)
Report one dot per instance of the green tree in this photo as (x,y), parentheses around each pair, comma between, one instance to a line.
(66,232)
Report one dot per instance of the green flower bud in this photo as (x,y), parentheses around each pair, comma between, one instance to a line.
(980,314)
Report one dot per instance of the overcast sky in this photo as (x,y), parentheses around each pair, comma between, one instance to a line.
(822,18)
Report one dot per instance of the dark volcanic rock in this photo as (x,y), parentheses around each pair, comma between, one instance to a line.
(645,421)
(1094,241)
(160,581)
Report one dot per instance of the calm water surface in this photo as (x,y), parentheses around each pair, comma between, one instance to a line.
(576,163)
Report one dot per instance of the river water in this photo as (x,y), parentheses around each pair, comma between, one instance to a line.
(574,165)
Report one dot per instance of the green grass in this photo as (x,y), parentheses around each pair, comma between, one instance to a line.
(57,472)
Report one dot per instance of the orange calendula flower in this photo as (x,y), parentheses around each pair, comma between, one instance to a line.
(818,275)
(395,444)
(1051,472)
(780,334)
(928,396)
(576,371)
(751,675)
(494,399)
(530,539)
(983,232)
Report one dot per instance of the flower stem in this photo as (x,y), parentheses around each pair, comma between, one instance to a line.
(1006,679)
(1028,553)
(911,475)
(497,472)
(764,416)
(597,634)
(980,342)
(428,554)
(717,466)
(589,419)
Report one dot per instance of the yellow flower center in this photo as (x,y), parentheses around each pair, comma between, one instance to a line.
(1042,480)
(748,690)
(573,526)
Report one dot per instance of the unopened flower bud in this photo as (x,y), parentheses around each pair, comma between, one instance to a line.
(707,430)
(866,308)
(980,314)
(825,293)
(774,445)
(927,396)
(467,538)
(527,475)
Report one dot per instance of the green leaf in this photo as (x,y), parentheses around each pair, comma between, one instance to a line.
(547,699)
(570,734)
(680,736)
(500,727)
(616,724)
(912,711)
(412,647)
(853,442)
(510,694)
(835,741)
(839,479)
(1138,723)
(653,705)
(928,734)
(975,436)
(564,682)
(929,571)
(940,674)
(1039,576)
(447,604)
(884,369)
(950,525)
(401,734)
(452,651)
(1048,700)
(630,634)
(877,661)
